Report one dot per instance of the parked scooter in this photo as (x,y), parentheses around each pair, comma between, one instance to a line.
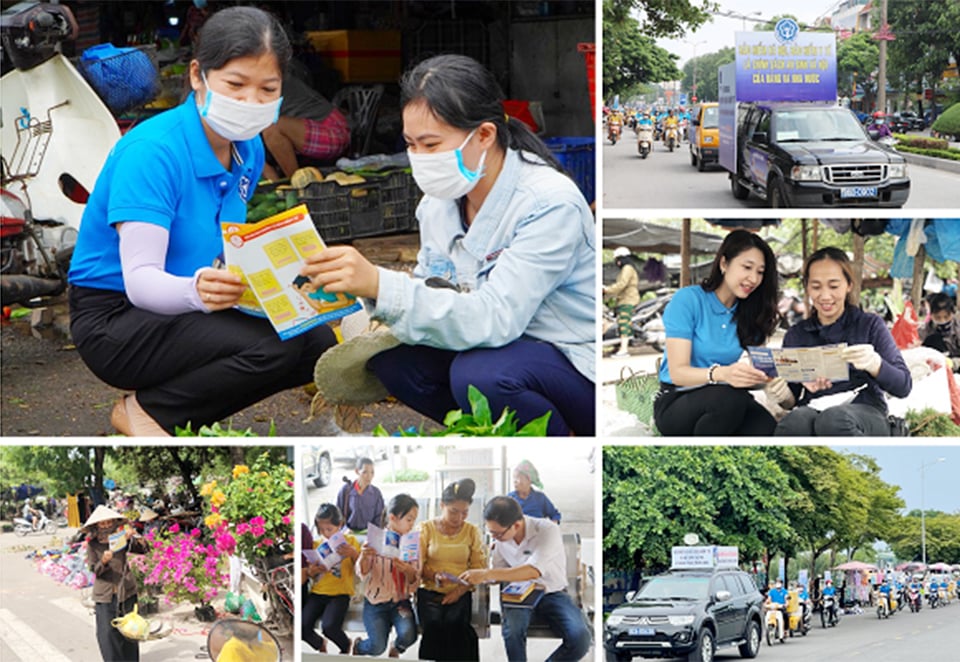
(645,140)
(56,135)
(23,526)
(646,323)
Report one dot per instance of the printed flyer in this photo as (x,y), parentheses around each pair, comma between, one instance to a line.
(268,256)
(802,364)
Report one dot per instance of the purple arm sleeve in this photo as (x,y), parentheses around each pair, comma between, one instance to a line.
(143,250)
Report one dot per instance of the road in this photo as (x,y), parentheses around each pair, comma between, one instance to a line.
(41,620)
(667,180)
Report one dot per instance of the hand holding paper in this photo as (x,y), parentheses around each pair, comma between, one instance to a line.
(863,357)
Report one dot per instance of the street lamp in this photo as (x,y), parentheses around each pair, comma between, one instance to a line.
(695,44)
(923,522)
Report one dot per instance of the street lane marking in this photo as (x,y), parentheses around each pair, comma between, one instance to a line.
(26,643)
(73,607)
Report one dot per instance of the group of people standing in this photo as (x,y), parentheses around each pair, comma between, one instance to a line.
(430,595)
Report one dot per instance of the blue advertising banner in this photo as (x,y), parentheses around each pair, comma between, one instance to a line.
(727,91)
(786,64)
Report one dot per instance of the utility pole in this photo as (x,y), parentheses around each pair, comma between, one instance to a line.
(882,74)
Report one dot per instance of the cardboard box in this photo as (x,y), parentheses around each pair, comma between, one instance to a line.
(361,56)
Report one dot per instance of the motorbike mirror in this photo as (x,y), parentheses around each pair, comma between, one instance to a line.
(760,137)
(722,596)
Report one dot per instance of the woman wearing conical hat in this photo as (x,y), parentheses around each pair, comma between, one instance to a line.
(109,540)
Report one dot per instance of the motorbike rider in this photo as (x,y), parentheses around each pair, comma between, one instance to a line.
(804,600)
(882,128)
(829,591)
(31,514)
(670,122)
(627,291)
(916,593)
(885,589)
(777,602)
(614,123)
(645,120)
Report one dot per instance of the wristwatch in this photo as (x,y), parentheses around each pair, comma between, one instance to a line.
(710,370)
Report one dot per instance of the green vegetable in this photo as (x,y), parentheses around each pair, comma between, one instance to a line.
(480,422)
(216,431)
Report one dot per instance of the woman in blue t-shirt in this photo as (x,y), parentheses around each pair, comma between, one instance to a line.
(703,384)
(149,312)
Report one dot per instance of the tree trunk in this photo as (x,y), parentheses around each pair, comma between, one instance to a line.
(187,470)
(858,243)
(916,288)
(99,453)
(236,455)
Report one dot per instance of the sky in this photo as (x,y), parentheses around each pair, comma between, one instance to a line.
(718,33)
(900,465)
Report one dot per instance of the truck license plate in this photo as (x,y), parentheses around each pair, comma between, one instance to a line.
(641,632)
(858,192)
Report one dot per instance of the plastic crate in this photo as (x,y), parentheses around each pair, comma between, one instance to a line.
(380,205)
(578,156)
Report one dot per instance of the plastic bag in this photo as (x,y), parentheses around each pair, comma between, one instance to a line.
(132,625)
(954,396)
(905,332)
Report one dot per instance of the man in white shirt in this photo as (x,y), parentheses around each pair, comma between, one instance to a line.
(531,549)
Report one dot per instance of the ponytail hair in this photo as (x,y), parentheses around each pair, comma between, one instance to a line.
(464,94)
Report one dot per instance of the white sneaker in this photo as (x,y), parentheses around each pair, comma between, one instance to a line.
(622,354)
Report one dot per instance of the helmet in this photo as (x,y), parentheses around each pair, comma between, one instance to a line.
(829,581)
(621,251)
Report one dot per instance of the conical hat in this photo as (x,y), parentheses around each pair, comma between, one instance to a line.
(100,514)
(146,515)
(341,373)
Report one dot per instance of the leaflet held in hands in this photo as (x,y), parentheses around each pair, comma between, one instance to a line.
(802,364)
(268,256)
(391,544)
(326,553)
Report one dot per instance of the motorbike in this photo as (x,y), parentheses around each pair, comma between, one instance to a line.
(885,604)
(23,526)
(646,323)
(671,138)
(795,617)
(56,135)
(773,632)
(613,133)
(914,600)
(645,140)
(828,611)
(933,599)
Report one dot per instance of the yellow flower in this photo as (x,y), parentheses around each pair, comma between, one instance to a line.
(218,498)
(212,520)
(207,488)
(239,470)
(263,474)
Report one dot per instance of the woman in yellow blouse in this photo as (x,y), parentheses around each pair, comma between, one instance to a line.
(449,545)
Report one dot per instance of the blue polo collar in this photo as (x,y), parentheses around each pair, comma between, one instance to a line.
(717,307)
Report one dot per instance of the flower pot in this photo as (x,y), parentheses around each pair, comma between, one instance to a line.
(205,613)
(147,607)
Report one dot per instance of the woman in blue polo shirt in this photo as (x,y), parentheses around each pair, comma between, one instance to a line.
(876,364)
(703,385)
(150,312)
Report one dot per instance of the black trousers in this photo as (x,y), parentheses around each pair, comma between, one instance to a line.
(447,633)
(717,410)
(330,610)
(114,647)
(193,368)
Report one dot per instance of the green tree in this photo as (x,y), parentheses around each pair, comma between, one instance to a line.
(926,37)
(632,58)
(943,537)
(858,56)
(652,496)
(59,469)
(706,69)
(660,18)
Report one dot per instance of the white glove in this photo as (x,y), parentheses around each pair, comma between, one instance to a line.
(778,390)
(863,357)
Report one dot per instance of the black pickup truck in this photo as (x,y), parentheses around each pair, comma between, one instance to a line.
(814,155)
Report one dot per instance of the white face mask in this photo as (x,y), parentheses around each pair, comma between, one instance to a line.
(443,174)
(237,120)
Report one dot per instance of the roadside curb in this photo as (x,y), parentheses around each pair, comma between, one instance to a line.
(931,162)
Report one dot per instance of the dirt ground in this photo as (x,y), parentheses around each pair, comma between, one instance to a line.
(47,391)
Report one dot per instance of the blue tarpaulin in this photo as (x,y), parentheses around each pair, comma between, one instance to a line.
(942,243)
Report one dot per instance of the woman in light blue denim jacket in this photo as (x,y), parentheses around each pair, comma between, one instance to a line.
(512,239)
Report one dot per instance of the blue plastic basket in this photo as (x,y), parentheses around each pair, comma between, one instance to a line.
(578,156)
